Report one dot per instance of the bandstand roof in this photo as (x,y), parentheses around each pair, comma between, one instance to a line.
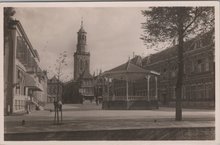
(128,71)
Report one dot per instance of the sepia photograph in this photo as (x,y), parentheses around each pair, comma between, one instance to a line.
(135,71)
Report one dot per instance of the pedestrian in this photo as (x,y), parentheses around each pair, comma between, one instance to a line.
(55,104)
(60,105)
(27,107)
(60,108)
(96,100)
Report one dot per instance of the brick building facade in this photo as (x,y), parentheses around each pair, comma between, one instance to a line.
(199,72)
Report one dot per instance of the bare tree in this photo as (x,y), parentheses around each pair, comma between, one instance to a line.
(59,66)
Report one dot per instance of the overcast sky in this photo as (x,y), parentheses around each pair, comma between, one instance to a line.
(112,34)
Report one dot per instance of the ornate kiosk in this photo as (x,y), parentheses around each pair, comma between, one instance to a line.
(129,86)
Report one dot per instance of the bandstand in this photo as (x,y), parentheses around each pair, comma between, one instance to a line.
(129,86)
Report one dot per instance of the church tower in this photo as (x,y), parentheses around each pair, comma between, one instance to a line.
(82,55)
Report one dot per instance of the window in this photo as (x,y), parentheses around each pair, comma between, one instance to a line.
(193,93)
(199,65)
(54,90)
(18,89)
(208,92)
(18,74)
(81,64)
(174,92)
(192,67)
(164,73)
(206,64)
(86,64)
(15,104)
(174,71)
(197,44)
(184,68)
(183,93)
(187,92)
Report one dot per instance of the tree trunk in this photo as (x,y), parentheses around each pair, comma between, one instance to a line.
(180,69)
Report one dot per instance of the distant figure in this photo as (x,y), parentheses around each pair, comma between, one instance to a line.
(97,100)
(60,105)
(27,107)
(55,104)
(23,122)
(81,100)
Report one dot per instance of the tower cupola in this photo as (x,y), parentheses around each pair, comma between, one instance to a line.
(81,43)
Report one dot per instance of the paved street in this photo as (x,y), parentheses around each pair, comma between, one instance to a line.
(77,117)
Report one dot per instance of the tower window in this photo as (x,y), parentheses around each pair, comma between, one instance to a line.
(81,64)
(86,64)
(199,65)
(206,64)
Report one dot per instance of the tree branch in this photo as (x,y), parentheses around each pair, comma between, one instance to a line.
(197,14)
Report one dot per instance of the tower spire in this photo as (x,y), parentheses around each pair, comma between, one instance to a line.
(81,22)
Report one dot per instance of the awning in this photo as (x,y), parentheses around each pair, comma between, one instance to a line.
(32,84)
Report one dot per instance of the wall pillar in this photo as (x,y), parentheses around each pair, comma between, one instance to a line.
(156,89)
(127,95)
(11,70)
(108,95)
(148,87)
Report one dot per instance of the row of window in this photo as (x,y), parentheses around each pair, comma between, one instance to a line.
(19,104)
(54,90)
(196,92)
(24,54)
(196,66)
(201,65)
(87,82)
(87,90)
